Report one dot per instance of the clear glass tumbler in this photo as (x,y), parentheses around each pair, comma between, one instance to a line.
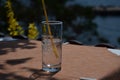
(52,46)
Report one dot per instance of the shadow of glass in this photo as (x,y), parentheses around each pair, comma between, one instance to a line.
(42,75)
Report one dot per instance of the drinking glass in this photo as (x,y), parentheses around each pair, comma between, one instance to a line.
(51,46)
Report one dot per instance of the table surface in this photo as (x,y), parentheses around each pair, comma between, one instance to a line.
(21,60)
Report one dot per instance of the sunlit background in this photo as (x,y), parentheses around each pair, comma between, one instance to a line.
(89,21)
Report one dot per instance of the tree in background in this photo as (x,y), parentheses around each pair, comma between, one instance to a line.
(75,17)
(13,25)
(14,28)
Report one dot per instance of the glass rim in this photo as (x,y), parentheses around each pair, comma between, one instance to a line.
(52,22)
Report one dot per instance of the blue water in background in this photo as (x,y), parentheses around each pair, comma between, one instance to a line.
(96,2)
(108,27)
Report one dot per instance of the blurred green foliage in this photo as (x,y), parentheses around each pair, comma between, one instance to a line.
(76,17)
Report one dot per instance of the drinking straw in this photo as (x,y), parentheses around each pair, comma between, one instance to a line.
(49,30)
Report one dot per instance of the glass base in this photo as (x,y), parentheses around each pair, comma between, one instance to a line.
(52,70)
